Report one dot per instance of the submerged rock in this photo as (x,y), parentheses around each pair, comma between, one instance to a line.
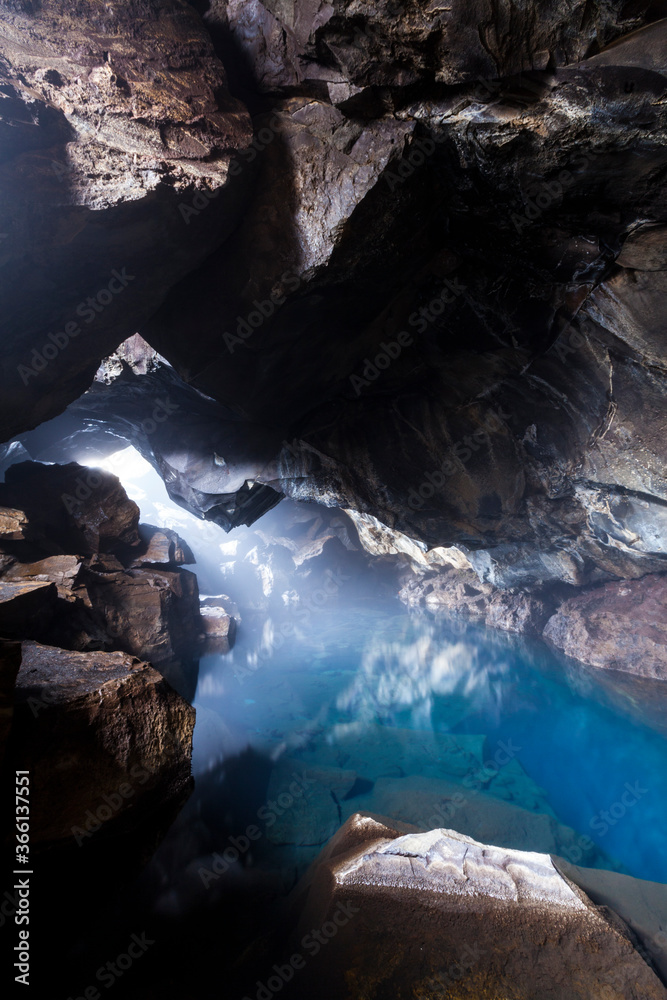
(438,914)
(104,737)
(620,626)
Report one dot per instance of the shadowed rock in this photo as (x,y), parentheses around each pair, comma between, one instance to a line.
(103,735)
(440,914)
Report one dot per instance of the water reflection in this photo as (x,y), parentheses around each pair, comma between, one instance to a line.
(398,710)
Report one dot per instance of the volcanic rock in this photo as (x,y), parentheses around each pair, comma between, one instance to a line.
(118,136)
(464,593)
(100,733)
(438,913)
(620,626)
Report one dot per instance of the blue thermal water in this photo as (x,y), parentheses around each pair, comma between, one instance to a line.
(311,684)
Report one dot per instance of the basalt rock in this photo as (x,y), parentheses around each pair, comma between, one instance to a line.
(619,627)
(112,586)
(104,737)
(462,592)
(438,913)
(118,132)
(442,305)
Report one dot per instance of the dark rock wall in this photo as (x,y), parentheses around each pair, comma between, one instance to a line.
(439,301)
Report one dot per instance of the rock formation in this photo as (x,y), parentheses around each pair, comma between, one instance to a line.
(442,305)
(439,914)
(619,627)
(81,573)
(104,738)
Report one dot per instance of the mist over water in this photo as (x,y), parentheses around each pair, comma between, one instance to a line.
(388,695)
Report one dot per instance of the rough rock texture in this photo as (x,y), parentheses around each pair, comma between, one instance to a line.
(620,626)
(463,592)
(114,120)
(71,509)
(112,585)
(219,628)
(101,733)
(443,304)
(439,914)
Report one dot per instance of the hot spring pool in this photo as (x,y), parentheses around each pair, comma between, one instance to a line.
(431,722)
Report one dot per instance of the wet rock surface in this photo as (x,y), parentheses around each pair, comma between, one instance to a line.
(440,913)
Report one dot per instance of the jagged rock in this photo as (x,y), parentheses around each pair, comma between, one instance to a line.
(426,801)
(153,614)
(10,662)
(13,525)
(61,570)
(100,733)
(119,132)
(438,913)
(142,603)
(71,509)
(224,602)
(26,607)
(620,626)
(464,593)
(451,255)
(164,548)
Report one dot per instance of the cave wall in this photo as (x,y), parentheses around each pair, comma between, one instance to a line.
(433,290)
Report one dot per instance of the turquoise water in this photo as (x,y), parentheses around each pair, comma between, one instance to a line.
(433,723)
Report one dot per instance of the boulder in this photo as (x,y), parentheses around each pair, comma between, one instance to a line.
(71,509)
(26,607)
(104,737)
(621,626)
(151,613)
(437,914)
(163,548)
(424,801)
(219,628)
